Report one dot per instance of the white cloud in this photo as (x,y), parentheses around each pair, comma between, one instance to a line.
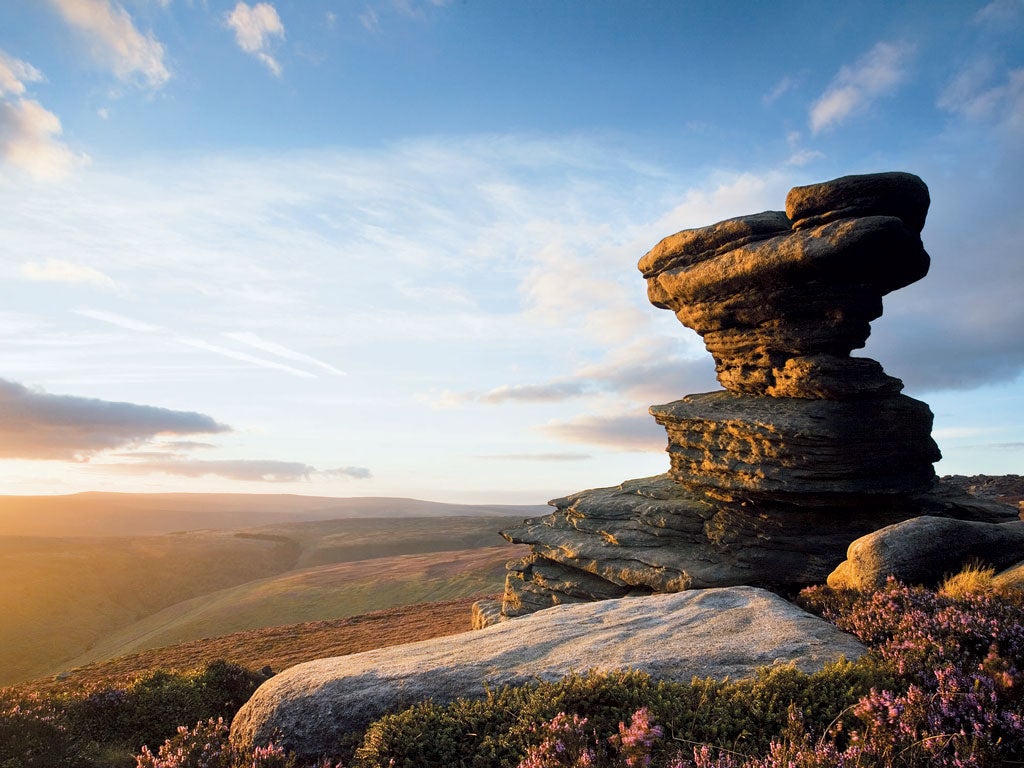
(857,86)
(802,157)
(784,85)
(978,92)
(115,42)
(14,73)
(551,392)
(28,131)
(60,271)
(255,27)
(29,140)
(1000,12)
(370,20)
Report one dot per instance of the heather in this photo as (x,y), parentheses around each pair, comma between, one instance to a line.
(941,686)
(106,726)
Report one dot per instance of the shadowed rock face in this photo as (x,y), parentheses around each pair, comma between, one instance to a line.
(807,448)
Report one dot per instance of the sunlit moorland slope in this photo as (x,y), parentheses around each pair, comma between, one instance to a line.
(326,591)
(68,599)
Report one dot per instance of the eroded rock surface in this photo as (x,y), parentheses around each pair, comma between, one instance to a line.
(653,535)
(807,452)
(781,304)
(704,633)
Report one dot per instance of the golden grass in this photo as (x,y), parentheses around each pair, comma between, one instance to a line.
(973,579)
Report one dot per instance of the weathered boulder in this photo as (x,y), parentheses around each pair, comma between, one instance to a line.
(1011,578)
(925,549)
(1008,489)
(706,633)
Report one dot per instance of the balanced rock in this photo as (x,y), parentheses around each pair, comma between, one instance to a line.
(780,307)
(805,450)
(926,549)
(709,633)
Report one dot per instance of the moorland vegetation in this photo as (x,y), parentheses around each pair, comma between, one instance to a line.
(942,685)
(69,601)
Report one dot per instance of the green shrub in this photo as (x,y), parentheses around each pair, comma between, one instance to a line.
(498,730)
(105,727)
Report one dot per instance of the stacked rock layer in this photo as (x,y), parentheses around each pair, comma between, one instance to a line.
(806,449)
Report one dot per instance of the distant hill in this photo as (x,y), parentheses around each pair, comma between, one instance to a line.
(65,600)
(141,514)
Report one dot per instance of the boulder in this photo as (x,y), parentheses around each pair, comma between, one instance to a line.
(924,550)
(703,633)
(1011,578)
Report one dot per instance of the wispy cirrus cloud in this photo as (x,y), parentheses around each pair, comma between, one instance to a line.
(38,425)
(981,92)
(115,42)
(14,73)
(255,341)
(256,27)
(249,339)
(1000,12)
(858,85)
(543,457)
(61,271)
(245,470)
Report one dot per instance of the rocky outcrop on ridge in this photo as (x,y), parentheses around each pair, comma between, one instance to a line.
(805,450)
(708,633)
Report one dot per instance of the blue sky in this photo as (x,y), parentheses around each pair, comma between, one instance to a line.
(389,247)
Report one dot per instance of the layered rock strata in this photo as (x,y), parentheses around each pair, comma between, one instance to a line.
(805,450)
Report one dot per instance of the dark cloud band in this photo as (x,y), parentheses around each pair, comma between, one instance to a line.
(37,425)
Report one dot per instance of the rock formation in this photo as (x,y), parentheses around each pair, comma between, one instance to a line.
(711,633)
(806,448)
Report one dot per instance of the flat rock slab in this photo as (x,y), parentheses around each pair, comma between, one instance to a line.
(717,633)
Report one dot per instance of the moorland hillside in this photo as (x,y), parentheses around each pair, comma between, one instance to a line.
(68,600)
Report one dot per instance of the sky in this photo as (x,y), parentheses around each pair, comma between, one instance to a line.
(389,247)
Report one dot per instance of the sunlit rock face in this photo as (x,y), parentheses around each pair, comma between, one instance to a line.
(805,450)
